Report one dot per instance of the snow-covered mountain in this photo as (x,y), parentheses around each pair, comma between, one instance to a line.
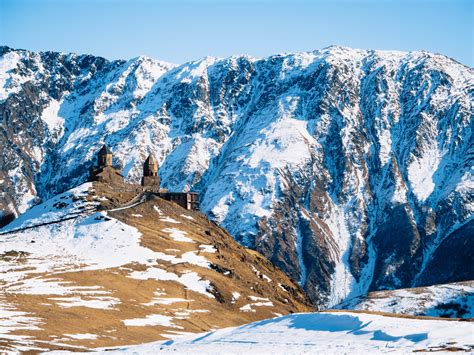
(349,169)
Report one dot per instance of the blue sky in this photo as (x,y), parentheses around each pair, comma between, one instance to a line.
(180,31)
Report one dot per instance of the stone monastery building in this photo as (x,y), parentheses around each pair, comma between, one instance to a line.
(105,172)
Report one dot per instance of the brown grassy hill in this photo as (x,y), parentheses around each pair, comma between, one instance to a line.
(100,266)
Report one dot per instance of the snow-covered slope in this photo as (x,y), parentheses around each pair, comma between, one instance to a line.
(325,333)
(351,170)
(101,266)
(455,300)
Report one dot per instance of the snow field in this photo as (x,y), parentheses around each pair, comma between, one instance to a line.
(328,332)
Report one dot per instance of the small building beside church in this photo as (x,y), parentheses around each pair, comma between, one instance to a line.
(187,200)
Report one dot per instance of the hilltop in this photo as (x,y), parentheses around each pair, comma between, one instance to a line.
(99,266)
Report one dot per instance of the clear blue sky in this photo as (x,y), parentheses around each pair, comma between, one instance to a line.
(180,31)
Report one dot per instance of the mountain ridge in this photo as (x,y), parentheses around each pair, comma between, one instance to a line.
(7,48)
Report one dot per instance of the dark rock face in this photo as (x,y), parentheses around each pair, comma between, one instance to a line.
(452,260)
(351,170)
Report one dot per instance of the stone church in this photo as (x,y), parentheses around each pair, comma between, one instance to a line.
(150,182)
(105,171)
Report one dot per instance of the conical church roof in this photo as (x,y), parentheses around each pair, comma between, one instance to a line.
(151,161)
(105,150)
(150,167)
